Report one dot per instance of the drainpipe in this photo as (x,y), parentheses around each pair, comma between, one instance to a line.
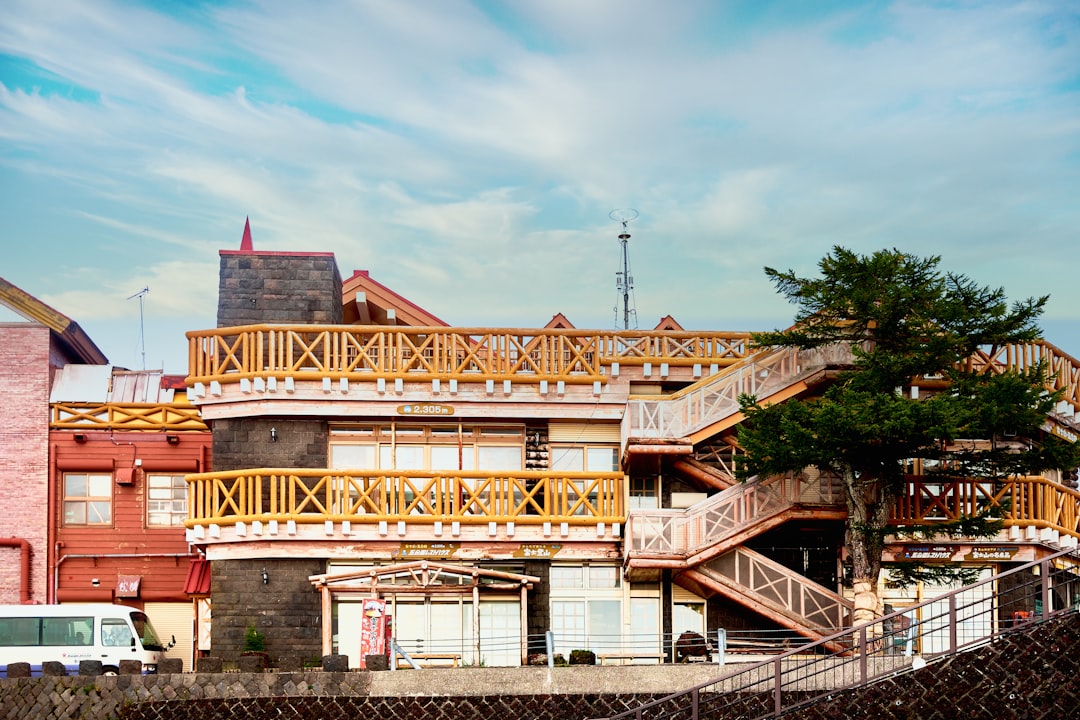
(24,575)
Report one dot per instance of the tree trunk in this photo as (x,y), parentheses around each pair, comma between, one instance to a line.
(869,506)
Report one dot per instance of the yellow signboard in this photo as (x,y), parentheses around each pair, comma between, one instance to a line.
(425,409)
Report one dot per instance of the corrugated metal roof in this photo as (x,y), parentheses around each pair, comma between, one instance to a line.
(198,577)
(81,383)
(106,384)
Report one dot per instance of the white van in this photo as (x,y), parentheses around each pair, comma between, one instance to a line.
(69,633)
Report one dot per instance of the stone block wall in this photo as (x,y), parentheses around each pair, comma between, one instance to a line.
(292,288)
(287,611)
(240,443)
(1028,674)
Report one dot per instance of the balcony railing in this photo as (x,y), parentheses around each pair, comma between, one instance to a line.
(418,353)
(126,416)
(1033,502)
(368,496)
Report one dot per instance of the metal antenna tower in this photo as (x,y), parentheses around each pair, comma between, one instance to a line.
(624,281)
(142,331)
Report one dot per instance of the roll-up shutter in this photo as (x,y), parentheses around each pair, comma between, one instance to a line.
(174,619)
(583,432)
(683,595)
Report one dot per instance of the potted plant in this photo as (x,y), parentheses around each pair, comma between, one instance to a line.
(254,658)
(582,657)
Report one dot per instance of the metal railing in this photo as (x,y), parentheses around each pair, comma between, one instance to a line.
(922,633)
(470,497)
(425,353)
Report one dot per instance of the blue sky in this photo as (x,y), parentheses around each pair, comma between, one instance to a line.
(468,154)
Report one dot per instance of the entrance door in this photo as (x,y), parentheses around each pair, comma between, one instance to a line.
(426,626)
(500,634)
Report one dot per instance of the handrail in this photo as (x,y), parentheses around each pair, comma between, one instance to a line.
(467,496)
(931,630)
(125,416)
(715,398)
(1030,501)
(679,534)
(768,371)
(421,353)
(765,582)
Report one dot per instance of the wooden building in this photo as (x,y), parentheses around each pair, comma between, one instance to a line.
(492,486)
(120,446)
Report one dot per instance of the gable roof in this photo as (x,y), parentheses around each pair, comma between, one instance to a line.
(368,302)
(65,331)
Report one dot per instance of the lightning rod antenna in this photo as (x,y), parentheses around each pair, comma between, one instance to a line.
(142,331)
(624,281)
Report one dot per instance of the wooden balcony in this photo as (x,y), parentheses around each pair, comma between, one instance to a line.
(464,354)
(125,416)
(1046,509)
(361,497)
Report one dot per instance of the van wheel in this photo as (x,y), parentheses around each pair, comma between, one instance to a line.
(110,670)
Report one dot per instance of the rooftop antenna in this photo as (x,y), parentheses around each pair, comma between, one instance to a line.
(624,281)
(142,332)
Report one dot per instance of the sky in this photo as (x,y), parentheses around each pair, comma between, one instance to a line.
(469,154)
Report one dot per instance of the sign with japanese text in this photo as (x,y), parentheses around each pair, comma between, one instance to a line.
(426,550)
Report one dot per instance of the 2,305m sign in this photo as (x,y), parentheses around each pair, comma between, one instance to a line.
(425,409)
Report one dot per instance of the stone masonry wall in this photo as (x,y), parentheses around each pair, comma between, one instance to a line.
(287,611)
(293,288)
(1030,674)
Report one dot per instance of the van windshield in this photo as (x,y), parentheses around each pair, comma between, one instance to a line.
(147,636)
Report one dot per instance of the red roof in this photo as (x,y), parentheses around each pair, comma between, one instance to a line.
(198,577)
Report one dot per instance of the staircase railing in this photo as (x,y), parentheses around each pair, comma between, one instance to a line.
(679,534)
(716,398)
(753,579)
(922,633)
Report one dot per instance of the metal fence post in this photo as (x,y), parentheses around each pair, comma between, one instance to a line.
(721,646)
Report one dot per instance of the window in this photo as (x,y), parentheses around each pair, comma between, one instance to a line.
(87,499)
(586,607)
(166,500)
(584,458)
(643,493)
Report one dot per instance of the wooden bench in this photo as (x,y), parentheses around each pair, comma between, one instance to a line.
(630,657)
(431,660)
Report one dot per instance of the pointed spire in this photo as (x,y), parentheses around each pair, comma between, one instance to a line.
(245,243)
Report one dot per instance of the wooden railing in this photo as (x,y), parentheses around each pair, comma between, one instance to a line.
(1023,502)
(126,416)
(679,534)
(713,399)
(767,372)
(469,497)
(758,580)
(418,353)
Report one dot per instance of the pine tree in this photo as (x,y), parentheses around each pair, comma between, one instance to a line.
(903,319)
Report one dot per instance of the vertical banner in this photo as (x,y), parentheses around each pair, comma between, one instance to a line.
(374,631)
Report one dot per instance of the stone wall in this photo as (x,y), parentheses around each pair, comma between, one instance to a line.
(288,611)
(293,288)
(1030,675)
